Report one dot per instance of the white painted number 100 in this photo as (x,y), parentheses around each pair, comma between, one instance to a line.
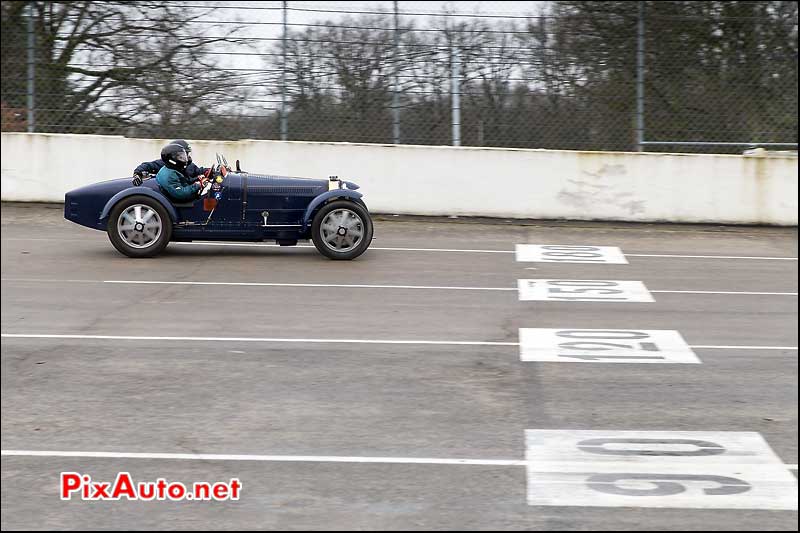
(567,253)
(604,346)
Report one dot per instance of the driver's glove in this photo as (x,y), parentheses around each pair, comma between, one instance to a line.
(137,179)
(205,186)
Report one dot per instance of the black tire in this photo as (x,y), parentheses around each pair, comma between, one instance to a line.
(359,246)
(142,249)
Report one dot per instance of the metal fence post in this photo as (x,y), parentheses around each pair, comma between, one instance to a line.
(284,117)
(31,90)
(640,79)
(396,88)
(455,94)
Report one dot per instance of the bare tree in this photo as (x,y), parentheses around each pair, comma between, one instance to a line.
(563,78)
(102,65)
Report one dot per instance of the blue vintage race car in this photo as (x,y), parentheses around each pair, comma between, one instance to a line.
(141,220)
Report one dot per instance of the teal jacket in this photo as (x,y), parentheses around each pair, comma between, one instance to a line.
(176,184)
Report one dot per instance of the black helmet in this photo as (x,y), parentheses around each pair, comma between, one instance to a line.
(186,147)
(174,156)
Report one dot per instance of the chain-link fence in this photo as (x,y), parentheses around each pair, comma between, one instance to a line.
(589,75)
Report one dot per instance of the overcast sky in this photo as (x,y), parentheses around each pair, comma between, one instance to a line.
(264,20)
(267,23)
(408,10)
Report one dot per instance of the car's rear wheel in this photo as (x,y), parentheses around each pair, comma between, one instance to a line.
(342,229)
(139,226)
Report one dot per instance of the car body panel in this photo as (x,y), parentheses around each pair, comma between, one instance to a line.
(85,205)
(144,190)
(323,198)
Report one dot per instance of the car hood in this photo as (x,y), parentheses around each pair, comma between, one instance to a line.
(286,181)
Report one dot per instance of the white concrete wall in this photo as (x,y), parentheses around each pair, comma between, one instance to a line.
(441,180)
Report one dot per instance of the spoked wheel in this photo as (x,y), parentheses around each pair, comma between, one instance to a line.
(139,226)
(342,230)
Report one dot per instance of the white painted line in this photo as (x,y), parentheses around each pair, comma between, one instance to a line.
(334,285)
(608,346)
(260,284)
(274,458)
(715,257)
(34,280)
(256,339)
(569,253)
(267,458)
(343,286)
(713,347)
(584,290)
(452,250)
(731,292)
(449,250)
(457,250)
(322,341)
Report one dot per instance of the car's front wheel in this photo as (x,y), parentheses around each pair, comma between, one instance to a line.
(342,229)
(139,226)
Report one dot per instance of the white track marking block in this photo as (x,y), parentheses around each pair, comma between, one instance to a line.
(585,290)
(575,345)
(566,253)
(679,469)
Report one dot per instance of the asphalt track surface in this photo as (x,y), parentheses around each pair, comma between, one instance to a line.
(373,435)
